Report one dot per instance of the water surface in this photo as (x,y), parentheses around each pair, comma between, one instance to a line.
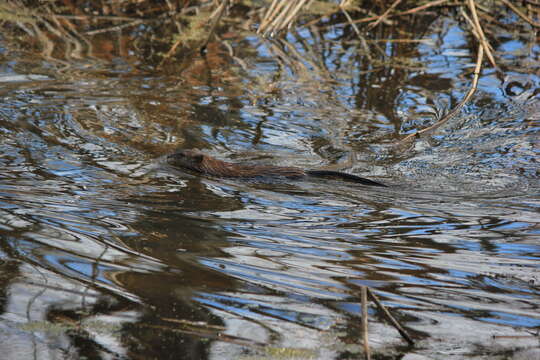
(109,252)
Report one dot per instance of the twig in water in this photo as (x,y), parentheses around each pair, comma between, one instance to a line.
(514,336)
(363,296)
(456,109)
(389,316)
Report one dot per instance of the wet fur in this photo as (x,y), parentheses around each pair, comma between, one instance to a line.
(196,161)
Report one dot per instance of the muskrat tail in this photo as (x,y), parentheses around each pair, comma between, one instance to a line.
(342,175)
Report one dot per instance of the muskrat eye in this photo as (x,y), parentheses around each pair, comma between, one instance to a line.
(198,158)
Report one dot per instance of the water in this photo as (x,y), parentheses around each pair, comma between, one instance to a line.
(108,252)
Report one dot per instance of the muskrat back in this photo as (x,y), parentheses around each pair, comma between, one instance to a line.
(197,161)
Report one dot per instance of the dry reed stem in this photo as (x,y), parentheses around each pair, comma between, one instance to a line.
(365,339)
(456,109)
(286,22)
(136,22)
(273,25)
(389,316)
(344,3)
(407,12)
(212,335)
(363,41)
(171,51)
(279,15)
(72,44)
(269,15)
(278,21)
(478,28)
(304,59)
(520,14)
(425,41)
(386,21)
(216,16)
(350,20)
(384,15)
(240,62)
(285,58)
(114,28)
(289,20)
(273,6)
(473,26)
(422,7)
(88,17)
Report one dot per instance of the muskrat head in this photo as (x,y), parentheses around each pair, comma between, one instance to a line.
(190,159)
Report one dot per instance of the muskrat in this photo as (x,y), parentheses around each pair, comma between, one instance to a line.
(205,164)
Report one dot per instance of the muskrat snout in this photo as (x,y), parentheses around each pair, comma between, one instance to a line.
(174,155)
(171,157)
(185,157)
(176,158)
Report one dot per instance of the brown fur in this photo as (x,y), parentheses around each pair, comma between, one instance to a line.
(199,162)
(196,161)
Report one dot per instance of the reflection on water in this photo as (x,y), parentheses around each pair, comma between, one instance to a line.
(108,252)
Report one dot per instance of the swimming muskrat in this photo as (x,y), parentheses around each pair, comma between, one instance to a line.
(205,164)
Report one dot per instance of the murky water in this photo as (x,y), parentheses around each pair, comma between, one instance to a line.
(108,252)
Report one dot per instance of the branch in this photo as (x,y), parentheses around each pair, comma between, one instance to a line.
(458,107)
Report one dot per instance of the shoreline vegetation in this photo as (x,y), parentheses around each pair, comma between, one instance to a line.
(167,33)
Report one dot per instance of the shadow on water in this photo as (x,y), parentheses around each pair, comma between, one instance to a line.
(106,251)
